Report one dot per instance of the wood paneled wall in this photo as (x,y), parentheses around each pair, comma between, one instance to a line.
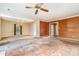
(44,28)
(69,27)
(0,28)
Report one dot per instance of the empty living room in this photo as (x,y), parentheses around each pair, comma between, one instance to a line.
(39,29)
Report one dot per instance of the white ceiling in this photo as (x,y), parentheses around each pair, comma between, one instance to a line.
(56,10)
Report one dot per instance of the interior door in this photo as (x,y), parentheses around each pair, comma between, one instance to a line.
(14,29)
(54,29)
(17,30)
(20,30)
(51,30)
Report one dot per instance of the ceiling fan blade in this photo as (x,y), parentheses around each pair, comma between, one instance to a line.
(36,11)
(28,7)
(44,9)
(41,3)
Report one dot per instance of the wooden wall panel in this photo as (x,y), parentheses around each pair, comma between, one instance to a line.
(0,28)
(69,27)
(44,28)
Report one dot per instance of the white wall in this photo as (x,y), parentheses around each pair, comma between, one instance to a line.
(36,26)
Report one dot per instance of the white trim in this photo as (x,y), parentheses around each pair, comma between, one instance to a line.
(49,30)
(63,18)
(49,20)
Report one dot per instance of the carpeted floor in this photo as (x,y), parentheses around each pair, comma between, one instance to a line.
(46,47)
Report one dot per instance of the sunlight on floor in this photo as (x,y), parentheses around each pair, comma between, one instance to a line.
(45,47)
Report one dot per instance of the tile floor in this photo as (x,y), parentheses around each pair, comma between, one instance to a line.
(46,47)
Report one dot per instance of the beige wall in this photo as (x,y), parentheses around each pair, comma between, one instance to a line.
(0,28)
(8,28)
(27,29)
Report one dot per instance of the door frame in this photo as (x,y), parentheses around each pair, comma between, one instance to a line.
(15,25)
(55,27)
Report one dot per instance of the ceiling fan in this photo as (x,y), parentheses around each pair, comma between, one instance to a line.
(37,6)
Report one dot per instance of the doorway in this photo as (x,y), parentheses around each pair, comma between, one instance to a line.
(54,29)
(17,30)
